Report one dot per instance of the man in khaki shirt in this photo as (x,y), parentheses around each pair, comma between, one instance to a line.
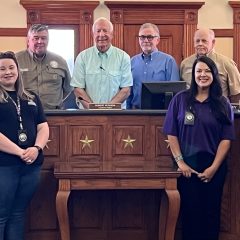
(204,41)
(44,73)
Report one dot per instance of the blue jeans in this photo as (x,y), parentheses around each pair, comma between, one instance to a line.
(17,186)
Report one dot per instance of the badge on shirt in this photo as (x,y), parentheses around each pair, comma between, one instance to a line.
(24,69)
(54,64)
(22,137)
(189,118)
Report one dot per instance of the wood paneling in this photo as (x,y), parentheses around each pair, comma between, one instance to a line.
(236,29)
(13,32)
(177,22)
(79,13)
(170,40)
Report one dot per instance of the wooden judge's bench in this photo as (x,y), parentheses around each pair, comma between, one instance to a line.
(110,176)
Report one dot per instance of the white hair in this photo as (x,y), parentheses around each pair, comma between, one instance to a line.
(105,20)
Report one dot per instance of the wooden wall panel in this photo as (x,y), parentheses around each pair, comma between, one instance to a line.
(181,14)
(236,28)
(78,13)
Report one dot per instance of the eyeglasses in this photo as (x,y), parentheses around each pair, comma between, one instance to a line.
(149,37)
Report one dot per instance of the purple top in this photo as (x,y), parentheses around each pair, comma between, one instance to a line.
(204,135)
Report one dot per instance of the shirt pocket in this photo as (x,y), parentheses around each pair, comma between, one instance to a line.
(53,77)
(159,75)
(114,78)
(55,73)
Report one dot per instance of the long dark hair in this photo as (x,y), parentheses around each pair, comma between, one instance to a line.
(218,103)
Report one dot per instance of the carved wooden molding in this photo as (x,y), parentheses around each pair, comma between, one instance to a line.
(191,16)
(116,16)
(236,11)
(136,13)
(188,45)
(63,13)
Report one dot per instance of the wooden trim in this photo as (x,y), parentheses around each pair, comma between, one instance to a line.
(146,5)
(236,29)
(223,32)
(188,44)
(136,13)
(59,5)
(78,13)
(13,32)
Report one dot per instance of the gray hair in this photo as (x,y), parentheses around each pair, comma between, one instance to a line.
(35,28)
(105,20)
(150,25)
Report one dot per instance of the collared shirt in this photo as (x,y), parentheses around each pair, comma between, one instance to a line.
(155,67)
(206,132)
(227,68)
(49,77)
(102,75)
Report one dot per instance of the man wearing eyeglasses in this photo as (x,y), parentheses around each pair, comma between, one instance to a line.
(44,73)
(151,65)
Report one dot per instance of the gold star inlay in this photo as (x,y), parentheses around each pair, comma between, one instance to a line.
(128,142)
(167,141)
(86,142)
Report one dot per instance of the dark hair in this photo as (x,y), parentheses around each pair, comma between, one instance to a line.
(18,84)
(9,54)
(218,103)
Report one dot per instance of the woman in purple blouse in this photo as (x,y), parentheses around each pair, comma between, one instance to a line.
(199,126)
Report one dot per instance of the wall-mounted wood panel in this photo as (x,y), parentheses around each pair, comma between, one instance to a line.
(128,15)
(236,28)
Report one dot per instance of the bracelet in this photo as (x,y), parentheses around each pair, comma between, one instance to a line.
(38,148)
(178,158)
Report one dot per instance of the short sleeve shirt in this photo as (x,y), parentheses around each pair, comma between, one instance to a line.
(32,114)
(102,75)
(227,68)
(205,134)
(48,78)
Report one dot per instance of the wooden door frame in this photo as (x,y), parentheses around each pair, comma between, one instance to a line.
(182,13)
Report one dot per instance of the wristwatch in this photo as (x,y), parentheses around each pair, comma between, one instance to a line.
(38,148)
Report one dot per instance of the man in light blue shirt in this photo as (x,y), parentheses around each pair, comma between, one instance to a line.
(102,73)
(151,65)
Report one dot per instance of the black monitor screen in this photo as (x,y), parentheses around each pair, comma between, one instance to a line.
(157,95)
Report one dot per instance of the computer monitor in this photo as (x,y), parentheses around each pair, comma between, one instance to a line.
(157,95)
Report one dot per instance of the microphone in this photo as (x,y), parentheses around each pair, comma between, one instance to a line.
(102,68)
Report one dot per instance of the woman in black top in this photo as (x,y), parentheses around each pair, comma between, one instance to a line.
(23,134)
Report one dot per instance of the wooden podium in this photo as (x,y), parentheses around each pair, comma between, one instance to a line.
(119,170)
(118,150)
